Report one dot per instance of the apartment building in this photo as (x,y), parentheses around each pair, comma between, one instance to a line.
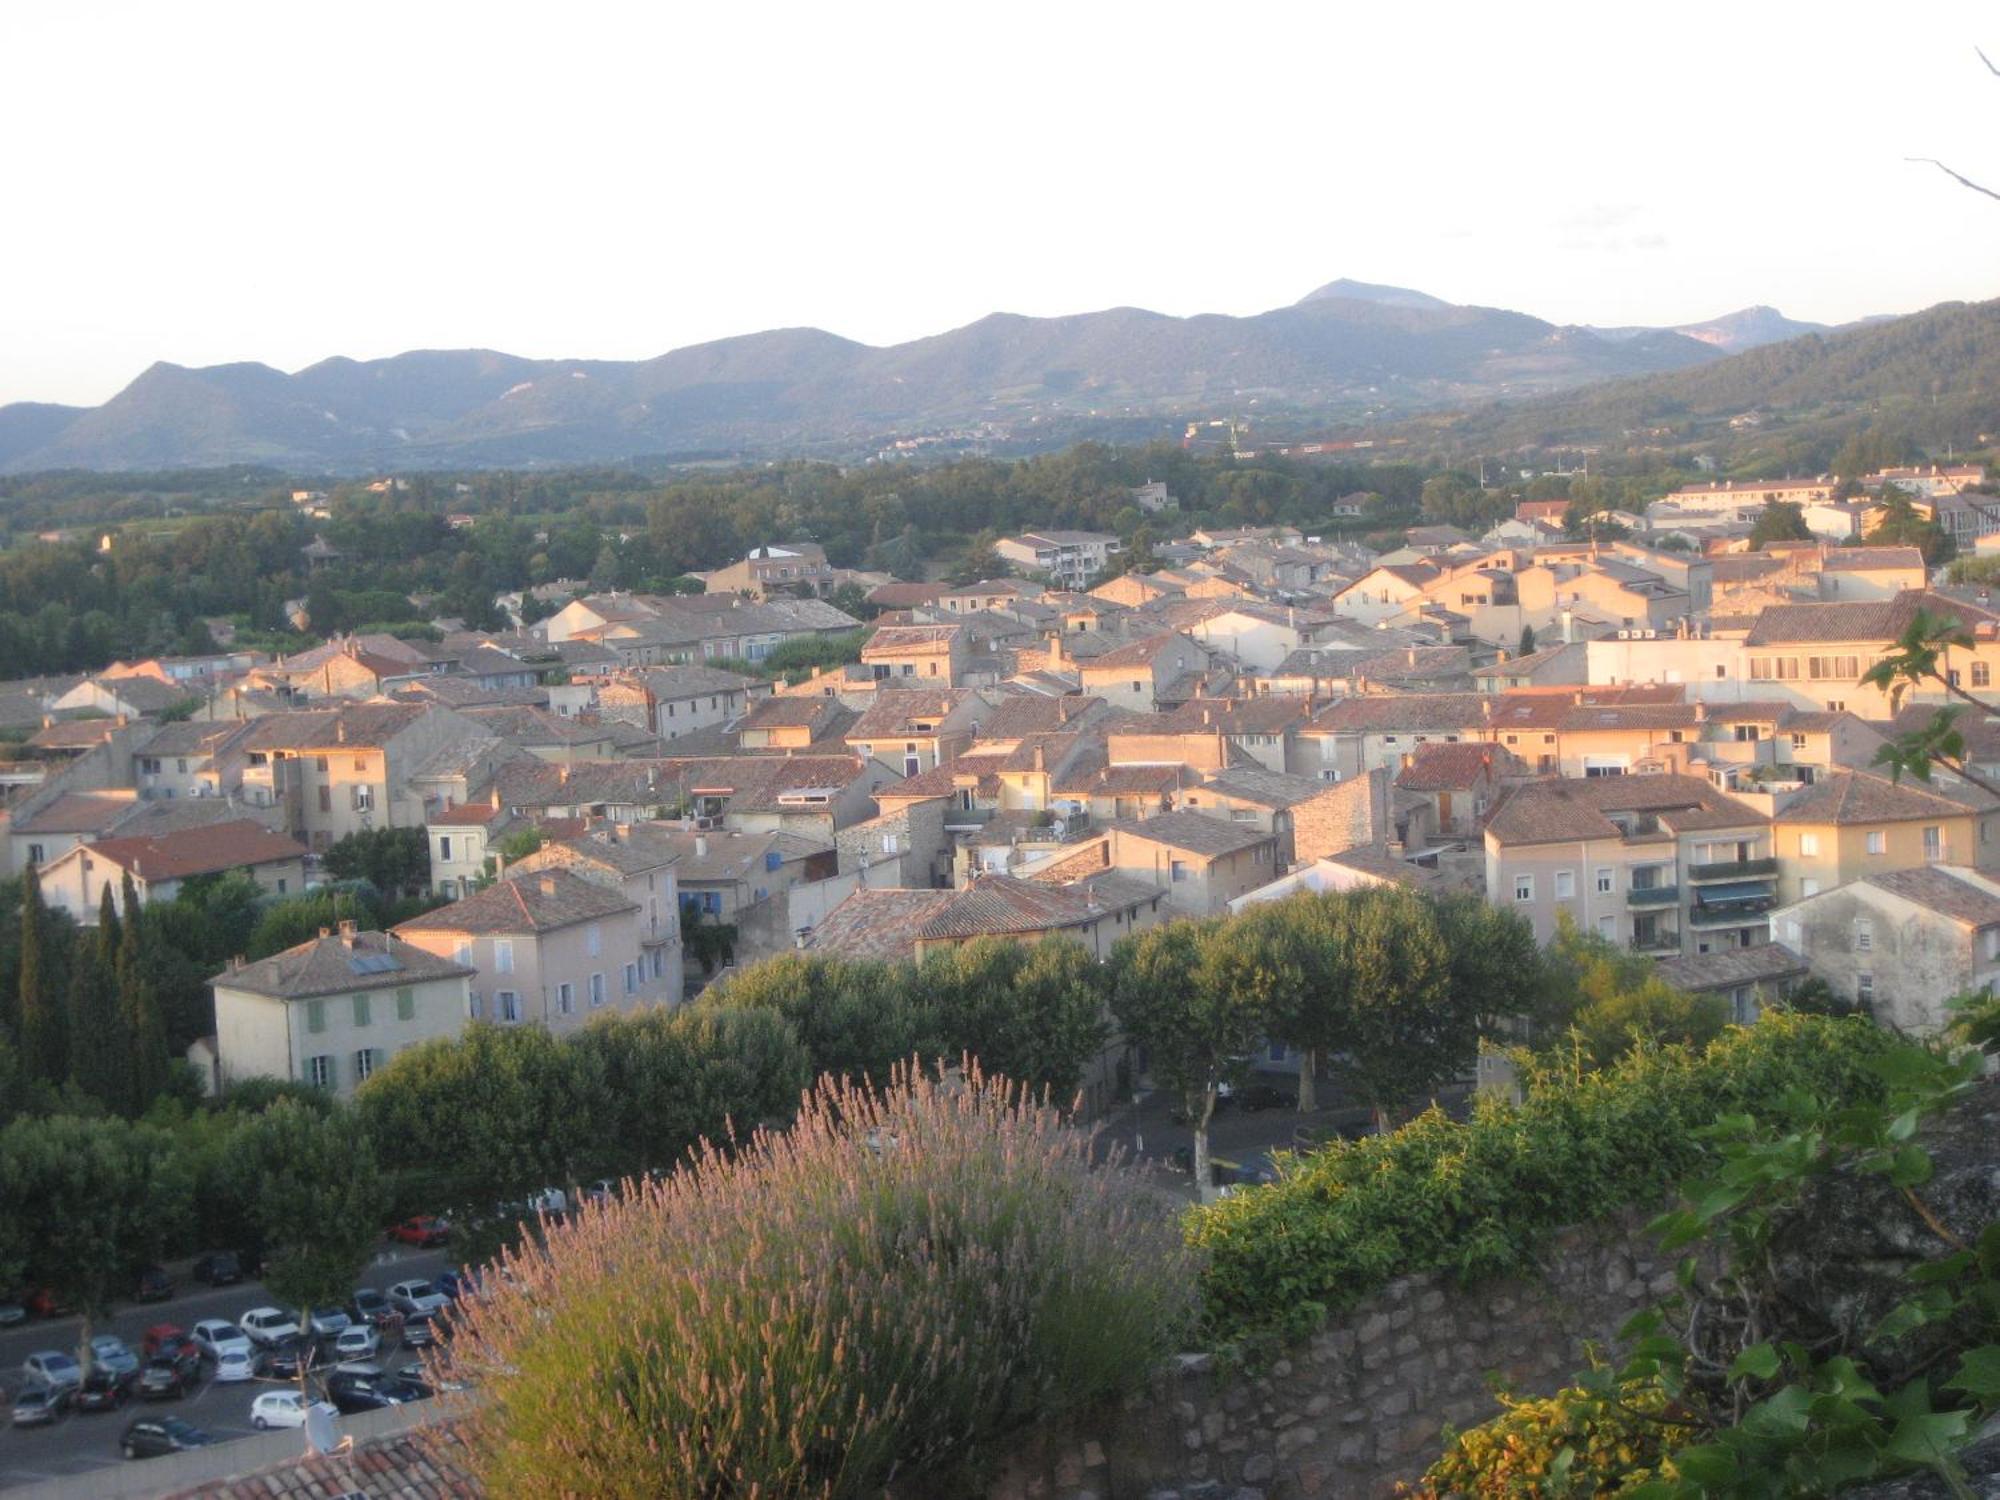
(1848,825)
(935,655)
(1072,558)
(913,730)
(1147,674)
(795,568)
(332,772)
(1663,864)
(637,860)
(336,1008)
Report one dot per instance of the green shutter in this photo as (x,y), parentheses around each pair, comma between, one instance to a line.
(360,1010)
(315,1015)
(406,1004)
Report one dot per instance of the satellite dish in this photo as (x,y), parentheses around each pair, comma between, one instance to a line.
(320,1436)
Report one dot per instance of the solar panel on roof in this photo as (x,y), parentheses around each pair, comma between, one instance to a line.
(372,963)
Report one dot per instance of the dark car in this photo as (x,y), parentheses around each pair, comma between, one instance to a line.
(13,1312)
(352,1392)
(464,1282)
(420,1330)
(1255,1096)
(152,1284)
(104,1390)
(370,1306)
(39,1405)
(284,1359)
(406,1385)
(153,1437)
(167,1377)
(221,1268)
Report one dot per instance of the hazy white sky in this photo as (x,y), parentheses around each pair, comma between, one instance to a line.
(204,182)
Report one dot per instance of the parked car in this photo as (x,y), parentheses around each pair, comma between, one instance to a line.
(39,1405)
(552,1201)
(152,1284)
(52,1368)
(233,1365)
(452,1285)
(350,1391)
(46,1302)
(1252,1097)
(601,1191)
(279,1409)
(167,1338)
(415,1296)
(218,1336)
(167,1377)
(13,1312)
(425,1231)
(370,1306)
(268,1325)
(219,1268)
(152,1437)
(359,1342)
(111,1352)
(105,1389)
(406,1385)
(284,1359)
(420,1330)
(327,1321)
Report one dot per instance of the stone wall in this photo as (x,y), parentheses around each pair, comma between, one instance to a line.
(1363,1402)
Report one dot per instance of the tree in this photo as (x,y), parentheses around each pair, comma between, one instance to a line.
(1527,646)
(978,562)
(319,1200)
(1618,1000)
(1408,1029)
(1174,1001)
(1901,524)
(139,1009)
(1034,1015)
(394,860)
(857,1019)
(1497,970)
(44,1043)
(87,1200)
(1287,955)
(1779,521)
(1922,654)
(99,1050)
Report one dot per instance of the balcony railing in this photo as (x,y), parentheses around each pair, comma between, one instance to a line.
(1653,895)
(1731,913)
(1733,869)
(1657,942)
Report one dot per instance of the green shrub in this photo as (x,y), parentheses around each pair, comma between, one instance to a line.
(1577,1442)
(1476,1199)
(896,1283)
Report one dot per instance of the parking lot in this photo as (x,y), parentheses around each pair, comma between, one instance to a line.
(84,1441)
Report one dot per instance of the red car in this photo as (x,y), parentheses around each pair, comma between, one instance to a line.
(425,1231)
(163,1338)
(44,1303)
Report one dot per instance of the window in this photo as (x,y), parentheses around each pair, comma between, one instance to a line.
(1864,989)
(506,1005)
(364,798)
(1137,687)
(319,764)
(1864,935)
(444,847)
(326,799)
(181,765)
(1565,885)
(475,1004)
(1179,871)
(596,990)
(1982,674)
(593,939)
(503,956)
(35,854)
(1607,928)
(1878,841)
(1798,742)
(565,999)
(361,1010)
(319,1071)
(406,1004)
(1934,843)
(1607,882)
(315,1015)
(1524,887)
(364,1064)
(361,763)
(1808,846)
(462,953)
(631,979)
(282,883)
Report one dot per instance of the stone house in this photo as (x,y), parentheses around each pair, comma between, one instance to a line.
(912,730)
(160,863)
(1146,674)
(1851,824)
(935,654)
(637,860)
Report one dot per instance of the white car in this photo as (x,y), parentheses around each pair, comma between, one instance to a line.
(52,1368)
(233,1365)
(415,1297)
(359,1342)
(110,1353)
(328,1321)
(268,1325)
(279,1409)
(216,1337)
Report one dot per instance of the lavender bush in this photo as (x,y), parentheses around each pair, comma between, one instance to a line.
(877,1293)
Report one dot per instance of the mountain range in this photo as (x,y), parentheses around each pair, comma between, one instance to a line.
(1347,349)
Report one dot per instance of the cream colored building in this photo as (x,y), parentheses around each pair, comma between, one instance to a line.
(334,1010)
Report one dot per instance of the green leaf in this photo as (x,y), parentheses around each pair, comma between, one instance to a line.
(1758,1362)
(1926,1438)
(1978,1374)
(1783,1415)
(1912,1167)
(1707,1464)
(1903,1126)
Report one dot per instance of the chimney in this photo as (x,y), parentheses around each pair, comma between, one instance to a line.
(562,775)
(347,933)
(1041,760)
(1700,711)
(326,932)
(340,731)
(548,884)
(235,963)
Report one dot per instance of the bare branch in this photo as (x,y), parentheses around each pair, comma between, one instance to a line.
(1964,181)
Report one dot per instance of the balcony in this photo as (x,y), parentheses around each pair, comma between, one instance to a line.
(1653,895)
(1731,913)
(1657,942)
(1733,869)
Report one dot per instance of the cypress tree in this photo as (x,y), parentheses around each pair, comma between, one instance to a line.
(139,1010)
(44,1053)
(98,1048)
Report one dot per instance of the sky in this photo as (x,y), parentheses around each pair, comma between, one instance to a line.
(209,182)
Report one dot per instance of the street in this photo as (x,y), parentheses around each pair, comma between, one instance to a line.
(84,1441)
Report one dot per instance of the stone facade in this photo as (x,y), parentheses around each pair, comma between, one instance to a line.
(1361,1404)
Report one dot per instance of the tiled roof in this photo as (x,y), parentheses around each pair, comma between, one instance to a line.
(1452,768)
(537,902)
(791,713)
(1396,713)
(895,709)
(1034,714)
(337,963)
(465,815)
(368,725)
(73,734)
(1140,653)
(1858,620)
(1847,797)
(692,681)
(1862,559)
(1569,808)
(199,851)
(1960,894)
(1099,780)
(1265,788)
(910,640)
(534,726)
(1729,967)
(887,924)
(1192,831)
(77,812)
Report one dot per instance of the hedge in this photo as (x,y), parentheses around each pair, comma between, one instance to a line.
(1479,1198)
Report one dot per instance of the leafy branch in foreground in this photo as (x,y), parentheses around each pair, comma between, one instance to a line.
(1920,656)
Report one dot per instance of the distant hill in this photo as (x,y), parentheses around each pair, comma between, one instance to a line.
(1350,349)
(1931,375)
(1751,328)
